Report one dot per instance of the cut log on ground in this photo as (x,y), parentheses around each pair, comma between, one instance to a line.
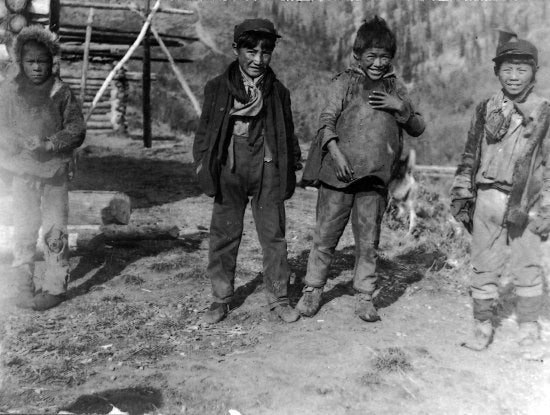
(93,207)
(86,207)
(91,237)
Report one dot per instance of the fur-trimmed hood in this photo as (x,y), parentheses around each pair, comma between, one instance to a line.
(38,34)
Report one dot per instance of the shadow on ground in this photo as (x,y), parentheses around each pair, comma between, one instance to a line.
(109,262)
(135,401)
(395,274)
(148,181)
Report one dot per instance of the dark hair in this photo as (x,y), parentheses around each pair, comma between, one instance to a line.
(250,40)
(517,59)
(374,33)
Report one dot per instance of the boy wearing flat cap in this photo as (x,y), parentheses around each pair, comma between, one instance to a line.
(501,192)
(244,148)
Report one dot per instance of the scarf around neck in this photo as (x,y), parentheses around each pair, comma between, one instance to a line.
(237,84)
(500,110)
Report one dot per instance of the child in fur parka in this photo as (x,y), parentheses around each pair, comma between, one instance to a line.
(501,192)
(41,123)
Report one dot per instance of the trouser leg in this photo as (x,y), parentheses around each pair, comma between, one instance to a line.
(269,217)
(333,211)
(226,230)
(366,219)
(27,218)
(528,274)
(55,214)
(489,244)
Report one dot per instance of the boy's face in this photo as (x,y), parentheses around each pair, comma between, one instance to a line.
(253,61)
(515,77)
(375,62)
(36,62)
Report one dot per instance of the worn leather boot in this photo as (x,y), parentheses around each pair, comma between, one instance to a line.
(44,301)
(310,302)
(481,337)
(365,309)
(286,313)
(24,286)
(216,313)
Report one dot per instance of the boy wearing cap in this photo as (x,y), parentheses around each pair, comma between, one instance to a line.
(501,192)
(244,148)
(352,158)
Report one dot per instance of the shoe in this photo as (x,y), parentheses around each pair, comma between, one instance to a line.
(482,336)
(216,313)
(310,302)
(45,301)
(530,344)
(286,313)
(24,287)
(529,333)
(365,310)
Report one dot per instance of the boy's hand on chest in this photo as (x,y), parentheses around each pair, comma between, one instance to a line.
(38,144)
(383,101)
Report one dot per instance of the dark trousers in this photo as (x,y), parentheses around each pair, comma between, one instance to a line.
(255,178)
(366,204)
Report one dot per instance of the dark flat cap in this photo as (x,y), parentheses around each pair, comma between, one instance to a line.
(255,25)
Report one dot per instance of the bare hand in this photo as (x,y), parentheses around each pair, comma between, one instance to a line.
(342,167)
(383,101)
(37,143)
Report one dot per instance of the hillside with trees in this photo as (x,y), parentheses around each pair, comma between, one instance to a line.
(444,55)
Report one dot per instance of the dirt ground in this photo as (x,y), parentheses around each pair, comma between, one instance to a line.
(130,335)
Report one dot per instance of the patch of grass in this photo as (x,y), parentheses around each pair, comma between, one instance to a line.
(169,265)
(133,280)
(392,359)
(194,272)
(371,379)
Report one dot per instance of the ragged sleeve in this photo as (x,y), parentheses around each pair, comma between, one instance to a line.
(463,186)
(411,120)
(11,139)
(334,106)
(73,131)
(545,192)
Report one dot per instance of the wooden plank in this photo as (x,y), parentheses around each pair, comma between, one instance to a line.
(73,33)
(105,57)
(105,6)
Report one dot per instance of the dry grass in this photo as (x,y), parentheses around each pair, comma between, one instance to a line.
(392,359)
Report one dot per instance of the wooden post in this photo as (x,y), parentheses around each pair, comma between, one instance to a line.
(86,56)
(146,81)
(177,72)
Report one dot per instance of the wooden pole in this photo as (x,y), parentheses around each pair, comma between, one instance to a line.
(177,72)
(146,82)
(124,58)
(86,57)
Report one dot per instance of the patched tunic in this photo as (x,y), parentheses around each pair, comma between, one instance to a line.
(371,139)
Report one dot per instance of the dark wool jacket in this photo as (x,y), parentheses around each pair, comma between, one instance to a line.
(48,111)
(371,139)
(215,127)
(531,175)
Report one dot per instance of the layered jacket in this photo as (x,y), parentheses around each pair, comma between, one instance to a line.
(371,139)
(530,188)
(213,135)
(47,112)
